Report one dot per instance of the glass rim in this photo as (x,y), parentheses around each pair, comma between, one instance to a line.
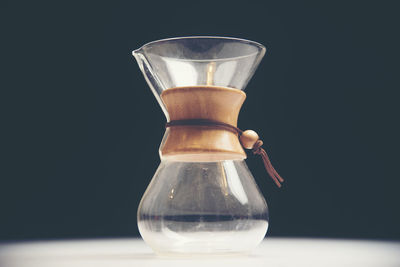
(261,47)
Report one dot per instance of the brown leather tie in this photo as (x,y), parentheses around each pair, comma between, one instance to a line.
(248,139)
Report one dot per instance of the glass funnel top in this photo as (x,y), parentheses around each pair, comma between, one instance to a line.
(202,60)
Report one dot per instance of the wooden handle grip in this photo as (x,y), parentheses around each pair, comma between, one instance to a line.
(202,143)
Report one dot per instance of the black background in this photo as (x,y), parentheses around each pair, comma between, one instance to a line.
(81,129)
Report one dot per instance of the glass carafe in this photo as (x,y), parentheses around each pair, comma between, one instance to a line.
(203,198)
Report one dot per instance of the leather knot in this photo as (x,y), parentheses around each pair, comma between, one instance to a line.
(257,147)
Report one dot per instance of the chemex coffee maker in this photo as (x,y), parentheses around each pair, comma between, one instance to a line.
(203,199)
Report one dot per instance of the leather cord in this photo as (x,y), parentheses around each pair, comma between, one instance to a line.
(257,149)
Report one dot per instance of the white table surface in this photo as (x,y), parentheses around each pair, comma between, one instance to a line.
(280,252)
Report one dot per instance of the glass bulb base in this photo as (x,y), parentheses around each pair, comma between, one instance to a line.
(203,208)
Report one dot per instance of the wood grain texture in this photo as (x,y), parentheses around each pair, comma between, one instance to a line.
(202,143)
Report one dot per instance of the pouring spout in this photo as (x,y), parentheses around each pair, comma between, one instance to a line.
(135,52)
(150,76)
(138,55)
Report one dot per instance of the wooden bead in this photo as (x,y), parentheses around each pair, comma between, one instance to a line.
(248,139)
